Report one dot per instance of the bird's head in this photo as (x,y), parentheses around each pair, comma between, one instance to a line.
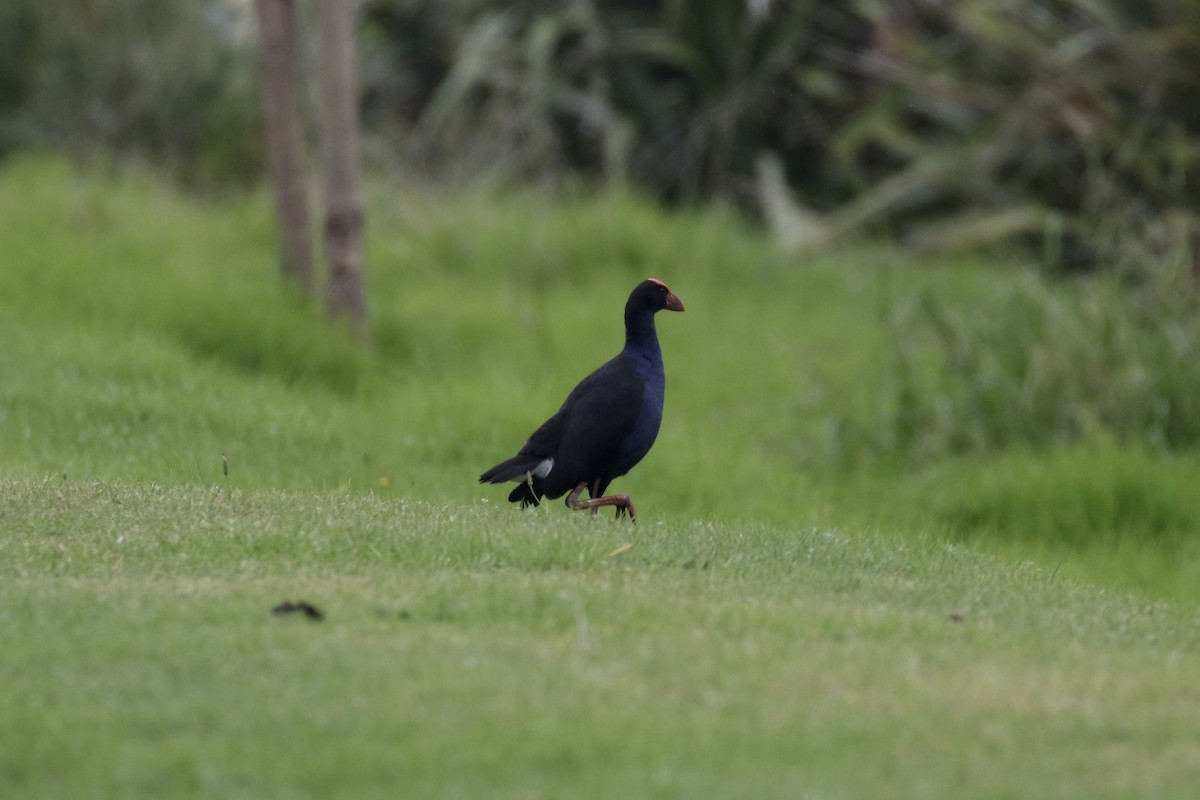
(657,295)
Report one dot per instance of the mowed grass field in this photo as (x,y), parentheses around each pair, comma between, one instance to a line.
(772,626)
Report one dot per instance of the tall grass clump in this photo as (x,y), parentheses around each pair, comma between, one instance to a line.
(1092,493)
(1041,364)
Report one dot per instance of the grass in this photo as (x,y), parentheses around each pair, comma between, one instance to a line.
(784,623)
(467,650)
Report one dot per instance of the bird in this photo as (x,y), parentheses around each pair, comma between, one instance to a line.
(607,424)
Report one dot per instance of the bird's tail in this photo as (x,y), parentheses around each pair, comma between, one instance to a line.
(514,469)
(525,494)
(518,468)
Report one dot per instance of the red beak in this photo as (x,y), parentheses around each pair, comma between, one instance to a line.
(673,302)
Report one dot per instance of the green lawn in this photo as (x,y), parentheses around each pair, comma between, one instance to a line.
(469,651)
(784,620)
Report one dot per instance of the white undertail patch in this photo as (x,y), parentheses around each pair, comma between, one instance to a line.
(541,470)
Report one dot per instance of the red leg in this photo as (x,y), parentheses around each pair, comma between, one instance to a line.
(621,501)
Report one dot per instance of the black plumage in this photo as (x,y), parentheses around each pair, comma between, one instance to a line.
(606,425)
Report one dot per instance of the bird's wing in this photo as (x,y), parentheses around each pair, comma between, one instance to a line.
(543,443)
(584,437)
(611,392)
(597,417)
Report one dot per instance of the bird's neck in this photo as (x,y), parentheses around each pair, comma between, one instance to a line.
(640,334)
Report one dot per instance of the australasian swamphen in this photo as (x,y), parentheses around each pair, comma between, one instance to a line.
(606,425)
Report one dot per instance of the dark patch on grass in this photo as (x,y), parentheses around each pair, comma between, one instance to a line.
(298,607)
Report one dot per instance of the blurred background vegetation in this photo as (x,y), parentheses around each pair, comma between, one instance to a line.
(1055,141)
(940,265)
(1067,127)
